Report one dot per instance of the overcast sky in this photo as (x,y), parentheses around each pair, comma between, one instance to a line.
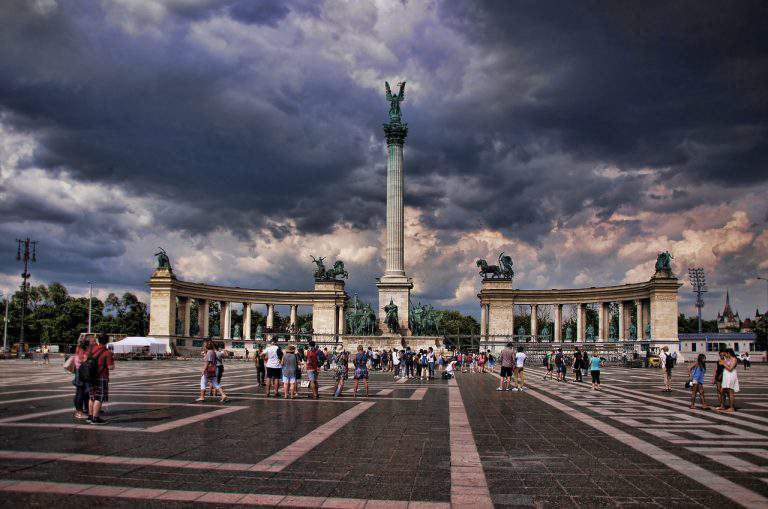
(581,138)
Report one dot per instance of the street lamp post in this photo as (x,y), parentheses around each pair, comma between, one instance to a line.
(90,300)
(24,254)
(5,325)
(699,284)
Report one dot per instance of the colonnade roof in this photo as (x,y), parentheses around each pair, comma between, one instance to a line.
(250,295)
(493,291)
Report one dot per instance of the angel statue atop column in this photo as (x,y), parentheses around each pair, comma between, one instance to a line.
(394,102)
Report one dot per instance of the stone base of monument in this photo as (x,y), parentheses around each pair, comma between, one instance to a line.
(390,341)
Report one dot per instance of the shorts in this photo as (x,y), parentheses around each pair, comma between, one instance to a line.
(312,375)
(205,380)
(289,379)
(561,368)
(100,390)
(505,371)
(274,373)
(595,376)
(361,374)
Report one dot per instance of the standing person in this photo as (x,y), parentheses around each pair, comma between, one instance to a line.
(730,381)
(417,363)
(481,360)
(507,360)
(258,359)
(246,355)
(396,363)
(99,386)
(549,363)
(577,360)
(594,369)
(424,362)
(209,373)
(746,361)
(431,363)
(408,355)
(272,355)
(46,356)
(342,372)
(82,397)
(219,363)
(290,364)
(361,369)
(301,358)
(384,360)
(667,363)
(313,368)
(560,365)
(697,372)
(717,380)
(520,369)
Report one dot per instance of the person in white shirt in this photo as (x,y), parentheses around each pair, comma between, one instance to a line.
(520,369)
(273,355)
(450,369)
(396,363)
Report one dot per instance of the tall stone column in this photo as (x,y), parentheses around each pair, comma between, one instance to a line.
(246,320)
(558,332)
(483,320)
(627,318)
(186,311)
(622,320)
(534,322)
(639,322)
(294,316)
(394,286)
(341,324)
(225,320)
(603,321)
(580,322)
(203,318)
(270,316)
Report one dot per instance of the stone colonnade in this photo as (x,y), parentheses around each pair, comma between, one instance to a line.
(655,302)
(327,300)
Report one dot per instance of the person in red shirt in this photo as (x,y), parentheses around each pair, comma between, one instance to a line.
(312,368)
(99,391)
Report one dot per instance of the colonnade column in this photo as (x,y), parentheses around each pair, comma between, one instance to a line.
(341,325)
(203,318)
(483,319)
(294,320)
(246,320)
(603,321)
(270,316)
(639,324)
(186,313)
(557,334)
(622,319)
(580,322)
(534,321)
(225,320)
(627,305)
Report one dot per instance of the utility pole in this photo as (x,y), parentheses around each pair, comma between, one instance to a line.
(90,300)
(5,324)
(699,284)
(23,254)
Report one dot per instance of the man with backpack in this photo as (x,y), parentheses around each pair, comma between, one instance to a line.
(409,354)
(668,361)
(95,372)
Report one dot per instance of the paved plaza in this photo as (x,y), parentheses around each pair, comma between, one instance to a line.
(412,444)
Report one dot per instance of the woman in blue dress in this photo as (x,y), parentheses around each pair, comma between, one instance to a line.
(697,373)
(361,369)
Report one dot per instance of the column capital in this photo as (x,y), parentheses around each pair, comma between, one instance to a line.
(395,133)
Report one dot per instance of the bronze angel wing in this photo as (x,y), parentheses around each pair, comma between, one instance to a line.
(389,91)
(401,95)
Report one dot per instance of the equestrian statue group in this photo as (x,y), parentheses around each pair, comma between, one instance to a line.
(501,271)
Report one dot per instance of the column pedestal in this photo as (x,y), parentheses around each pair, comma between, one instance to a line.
(396,289)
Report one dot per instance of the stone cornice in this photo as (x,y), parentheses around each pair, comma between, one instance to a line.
(396,133)
(590,295)
(333,293)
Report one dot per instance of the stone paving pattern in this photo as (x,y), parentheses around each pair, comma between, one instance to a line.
(532,454)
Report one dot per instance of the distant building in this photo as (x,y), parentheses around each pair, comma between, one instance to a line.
(728,321)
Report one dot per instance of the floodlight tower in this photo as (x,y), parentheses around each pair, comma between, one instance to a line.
(24,254)
(699,284)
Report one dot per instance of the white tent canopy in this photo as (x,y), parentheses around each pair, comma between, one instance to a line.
(135,343)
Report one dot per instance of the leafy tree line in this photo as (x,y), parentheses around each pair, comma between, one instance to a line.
(54,316)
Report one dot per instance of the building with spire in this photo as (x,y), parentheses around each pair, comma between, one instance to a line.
(728,320)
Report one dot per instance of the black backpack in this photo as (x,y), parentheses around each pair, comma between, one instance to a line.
(88,372)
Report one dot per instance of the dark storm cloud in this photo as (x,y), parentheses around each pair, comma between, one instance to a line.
(513,115)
